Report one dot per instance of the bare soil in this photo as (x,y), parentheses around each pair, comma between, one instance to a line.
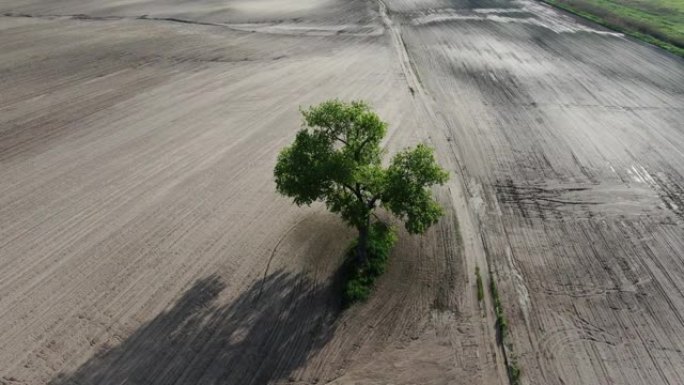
(142,241)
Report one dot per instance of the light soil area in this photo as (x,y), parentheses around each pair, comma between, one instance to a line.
(142,241)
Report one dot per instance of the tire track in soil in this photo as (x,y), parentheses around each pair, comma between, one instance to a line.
(473,251)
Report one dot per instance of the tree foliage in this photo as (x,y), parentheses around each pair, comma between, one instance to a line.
(336,158)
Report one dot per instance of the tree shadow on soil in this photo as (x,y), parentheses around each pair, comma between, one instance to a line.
(263,335)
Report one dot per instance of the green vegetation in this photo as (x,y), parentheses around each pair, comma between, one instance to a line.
(360,278)
(514,371)
(658,22)
(501,323)
(480,285)
(336,158)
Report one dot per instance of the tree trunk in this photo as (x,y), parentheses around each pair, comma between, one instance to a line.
(362,245)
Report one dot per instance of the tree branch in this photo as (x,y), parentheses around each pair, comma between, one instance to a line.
(341,140)
(348,187)
(371,202)
(356,191)
(357,153)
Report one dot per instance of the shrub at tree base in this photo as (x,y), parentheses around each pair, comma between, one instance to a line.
(360,278)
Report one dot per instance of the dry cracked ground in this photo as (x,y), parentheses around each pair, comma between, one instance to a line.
(142,242)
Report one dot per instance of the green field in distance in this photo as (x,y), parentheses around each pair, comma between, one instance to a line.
(659,22)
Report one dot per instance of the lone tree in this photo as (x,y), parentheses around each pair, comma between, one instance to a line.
(337,159)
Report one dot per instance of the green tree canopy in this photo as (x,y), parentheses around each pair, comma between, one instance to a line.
(337,159)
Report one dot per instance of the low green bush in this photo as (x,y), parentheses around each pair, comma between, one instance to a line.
(360,279)
(357,289)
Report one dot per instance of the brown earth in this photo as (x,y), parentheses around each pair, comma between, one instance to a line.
(142,242)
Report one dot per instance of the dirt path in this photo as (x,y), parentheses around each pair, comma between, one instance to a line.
(141,240)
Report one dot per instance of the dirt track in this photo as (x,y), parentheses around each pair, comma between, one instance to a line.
(142,242)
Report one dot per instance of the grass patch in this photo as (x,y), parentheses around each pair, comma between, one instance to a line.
(501,323)
(480,285)
(361,279)
(658,22)
(513,369)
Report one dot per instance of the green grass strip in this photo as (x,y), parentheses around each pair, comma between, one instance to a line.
(626,20)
